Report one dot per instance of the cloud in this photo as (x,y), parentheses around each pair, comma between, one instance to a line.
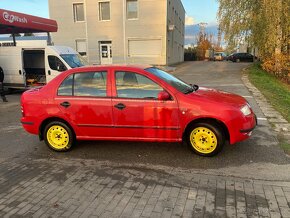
(189,37)
(191,31)
(189,20)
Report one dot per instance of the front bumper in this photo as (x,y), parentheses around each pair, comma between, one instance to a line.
(245,128)
(251,129)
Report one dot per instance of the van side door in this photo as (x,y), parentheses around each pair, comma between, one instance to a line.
(11,63)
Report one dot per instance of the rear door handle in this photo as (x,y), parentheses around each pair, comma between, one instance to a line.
(120,106)
(65,104)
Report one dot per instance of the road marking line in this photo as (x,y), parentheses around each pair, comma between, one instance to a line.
(247,96)
(10,128)
(262,118)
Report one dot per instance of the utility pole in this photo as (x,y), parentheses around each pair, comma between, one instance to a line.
(202,27)
(219,38)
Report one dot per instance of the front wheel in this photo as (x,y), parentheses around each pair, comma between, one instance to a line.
(205,139)
(58,136)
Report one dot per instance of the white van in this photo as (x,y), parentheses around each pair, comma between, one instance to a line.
(26,67)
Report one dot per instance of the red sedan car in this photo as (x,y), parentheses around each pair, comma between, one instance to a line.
(134,104)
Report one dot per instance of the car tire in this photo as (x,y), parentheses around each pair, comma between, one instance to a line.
(205,139)
(58,136)
(238,60)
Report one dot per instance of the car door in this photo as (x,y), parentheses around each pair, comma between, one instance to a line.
(83,100)
(138,113)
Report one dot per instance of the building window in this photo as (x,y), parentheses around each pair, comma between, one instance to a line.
(104,11)
(81,47)
(79,14)
(132,9)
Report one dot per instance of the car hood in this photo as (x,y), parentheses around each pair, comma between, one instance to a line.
(219,96)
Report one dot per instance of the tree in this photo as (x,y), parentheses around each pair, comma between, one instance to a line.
(263,24)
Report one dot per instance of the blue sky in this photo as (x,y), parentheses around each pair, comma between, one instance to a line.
(199,10)
(196,11)
(33,7)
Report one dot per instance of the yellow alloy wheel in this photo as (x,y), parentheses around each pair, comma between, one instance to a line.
(57,137)
(203,140)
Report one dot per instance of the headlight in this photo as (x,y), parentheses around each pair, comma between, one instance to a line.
(246,110)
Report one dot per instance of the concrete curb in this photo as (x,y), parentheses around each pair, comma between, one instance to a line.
(280,125)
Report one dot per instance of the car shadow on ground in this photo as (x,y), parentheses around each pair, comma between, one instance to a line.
(173,154)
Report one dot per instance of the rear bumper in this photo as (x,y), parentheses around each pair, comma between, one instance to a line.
(29,125)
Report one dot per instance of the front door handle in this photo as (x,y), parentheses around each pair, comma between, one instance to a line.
(120,106)
(65,104)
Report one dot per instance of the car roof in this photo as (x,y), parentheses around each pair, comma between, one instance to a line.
(107,67)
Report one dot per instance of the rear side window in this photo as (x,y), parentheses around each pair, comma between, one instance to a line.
(65,88)
(91,84)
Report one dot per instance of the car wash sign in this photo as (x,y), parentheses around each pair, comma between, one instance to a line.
(11,18)
(14,22)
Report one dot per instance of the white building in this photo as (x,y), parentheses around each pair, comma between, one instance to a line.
(121,31)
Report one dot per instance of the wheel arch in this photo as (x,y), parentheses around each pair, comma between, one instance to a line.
(209,121)
(52,119)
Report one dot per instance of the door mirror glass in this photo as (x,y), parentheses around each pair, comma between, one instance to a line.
(61,67)
(163,96)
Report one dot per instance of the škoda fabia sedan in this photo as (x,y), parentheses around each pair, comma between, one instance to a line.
(134,104)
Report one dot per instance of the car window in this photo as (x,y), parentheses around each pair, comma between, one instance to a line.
(91,84)
(133,85)
(65,89)
(56,64)
(171,80)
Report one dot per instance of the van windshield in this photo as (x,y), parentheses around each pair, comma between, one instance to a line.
(74,60)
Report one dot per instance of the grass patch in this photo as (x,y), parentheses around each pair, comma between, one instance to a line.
(285,146)
(276,92)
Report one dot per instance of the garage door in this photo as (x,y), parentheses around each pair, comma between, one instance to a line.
(145,47)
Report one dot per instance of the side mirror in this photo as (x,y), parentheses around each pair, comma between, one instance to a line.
(163,96)
(61,68)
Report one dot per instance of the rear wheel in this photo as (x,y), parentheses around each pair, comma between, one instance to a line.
(58,136)
(205,139)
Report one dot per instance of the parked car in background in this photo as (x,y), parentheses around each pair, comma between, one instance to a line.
(218,57)
(242,57)
(134,104)
(229,57)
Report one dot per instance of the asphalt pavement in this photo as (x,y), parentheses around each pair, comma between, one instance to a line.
(256,160)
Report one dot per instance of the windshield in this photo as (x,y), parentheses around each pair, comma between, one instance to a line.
(74,60)
(172,80)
